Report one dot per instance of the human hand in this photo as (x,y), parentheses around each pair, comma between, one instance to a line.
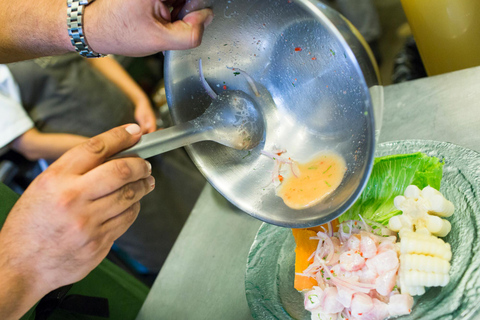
(145,116)
(68,218)
(143,27)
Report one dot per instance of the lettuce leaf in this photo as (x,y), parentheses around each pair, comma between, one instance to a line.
(390,177)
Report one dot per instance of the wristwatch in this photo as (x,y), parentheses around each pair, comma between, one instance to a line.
(75,28)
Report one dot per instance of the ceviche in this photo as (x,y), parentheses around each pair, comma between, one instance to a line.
(386,249)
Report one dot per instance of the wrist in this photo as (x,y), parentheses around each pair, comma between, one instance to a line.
(76,30)
(140,99)
(93,18)
(59,22)
(19,289)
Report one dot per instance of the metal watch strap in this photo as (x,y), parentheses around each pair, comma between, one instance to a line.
(75,28)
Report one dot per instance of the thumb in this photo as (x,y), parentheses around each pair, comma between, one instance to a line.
(187,33)
(96,150)
(200,17)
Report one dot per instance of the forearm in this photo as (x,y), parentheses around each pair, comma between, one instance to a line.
(16,296)
(35,145)
(30,29)
(20,40)
(114,72)
(20,289)
(16,300)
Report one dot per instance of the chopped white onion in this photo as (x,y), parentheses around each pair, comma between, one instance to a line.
(205,84)
(248,78)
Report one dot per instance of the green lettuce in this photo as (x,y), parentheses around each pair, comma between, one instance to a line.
(390,177)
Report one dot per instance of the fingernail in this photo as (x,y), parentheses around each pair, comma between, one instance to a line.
(151,182)
(133,129)
(208,20)
(149,166)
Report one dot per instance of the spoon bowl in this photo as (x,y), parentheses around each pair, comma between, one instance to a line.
(232,119)
(235,119)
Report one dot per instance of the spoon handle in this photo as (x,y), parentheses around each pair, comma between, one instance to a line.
(165,140)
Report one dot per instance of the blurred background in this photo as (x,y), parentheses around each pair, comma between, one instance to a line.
(395,41)
(391,41)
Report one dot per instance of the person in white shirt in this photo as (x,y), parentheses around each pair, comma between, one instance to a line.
(14,120)
(17,130)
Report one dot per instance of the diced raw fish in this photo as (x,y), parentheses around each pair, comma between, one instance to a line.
(353,243)
(337,269)
(372,236)
(319,315)
(383,262)
(313,299)
(345,295)
(330,302)
(367,246)
(400,304)
(385,282)
(357,281)
(375,295)
(365,275)
(361,304)
(385,246)
(351,261)
(378,312)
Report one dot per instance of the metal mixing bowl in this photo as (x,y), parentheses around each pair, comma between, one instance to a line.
(313,72)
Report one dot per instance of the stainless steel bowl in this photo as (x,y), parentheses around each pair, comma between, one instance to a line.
(313,71)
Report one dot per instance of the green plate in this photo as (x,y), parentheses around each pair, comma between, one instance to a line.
(270,266)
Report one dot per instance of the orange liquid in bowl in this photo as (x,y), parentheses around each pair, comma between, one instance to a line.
(316,180)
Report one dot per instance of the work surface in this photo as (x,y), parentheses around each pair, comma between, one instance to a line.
(203,277)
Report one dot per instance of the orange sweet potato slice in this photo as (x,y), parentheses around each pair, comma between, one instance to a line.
(304,249)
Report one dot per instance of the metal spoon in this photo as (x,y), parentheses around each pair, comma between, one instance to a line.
(232,119)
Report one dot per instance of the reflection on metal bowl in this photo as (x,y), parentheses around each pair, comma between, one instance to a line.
(313,72)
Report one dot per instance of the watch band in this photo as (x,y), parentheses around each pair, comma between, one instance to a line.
(75,28)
